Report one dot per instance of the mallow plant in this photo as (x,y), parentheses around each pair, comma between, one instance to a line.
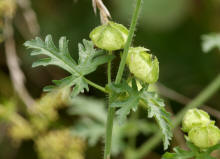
(202,137)
(124,94)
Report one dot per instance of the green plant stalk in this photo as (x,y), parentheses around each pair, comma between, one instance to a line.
(111,111)
(108,138)
(102,89)
(109,70)
(110,116)
(129,40)
(198,101)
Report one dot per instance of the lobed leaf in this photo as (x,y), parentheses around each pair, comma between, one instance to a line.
(156,109)
(128,103)
(89,60)
(179,154)
(194,152)
(92,122)
(127,98)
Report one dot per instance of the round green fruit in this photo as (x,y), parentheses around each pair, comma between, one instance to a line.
(143,65)
(205,136)
(111,36)
(195,117)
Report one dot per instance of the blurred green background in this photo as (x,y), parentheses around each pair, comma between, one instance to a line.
(171,29)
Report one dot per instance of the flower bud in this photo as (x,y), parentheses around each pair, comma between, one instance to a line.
(110,36)
(204,136)
(143,65)
(195,117)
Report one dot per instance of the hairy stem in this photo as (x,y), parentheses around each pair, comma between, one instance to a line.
(109,70)
(129,40)
(110,119)
(108,137)
(111,111)
(198,101)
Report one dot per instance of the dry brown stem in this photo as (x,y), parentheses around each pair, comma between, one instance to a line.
(12,60)
(29,16)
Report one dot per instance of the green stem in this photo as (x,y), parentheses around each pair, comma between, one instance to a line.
(109,70)
(108,137)
(129,40)
(198,101)
(95,85)
(111,111)
(110,119)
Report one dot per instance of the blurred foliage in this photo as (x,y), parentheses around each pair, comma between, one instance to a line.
(171,29)
(45,110)
(59,144)
(157,15)
(7,9)
(36,125)
(57,141)
(92,122)
(210,41)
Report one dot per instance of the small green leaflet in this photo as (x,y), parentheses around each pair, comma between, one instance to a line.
(128,99)
(129,102)
(194,152)
(89,60)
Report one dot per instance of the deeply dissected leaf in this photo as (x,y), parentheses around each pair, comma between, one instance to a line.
(156,109)
(129,98)
(128,103)
(194,152)
(92,122)
(89,59)
(179,154)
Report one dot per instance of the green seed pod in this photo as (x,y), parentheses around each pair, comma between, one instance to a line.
(110,36)
(195,117)
(143,65)
(205,136)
